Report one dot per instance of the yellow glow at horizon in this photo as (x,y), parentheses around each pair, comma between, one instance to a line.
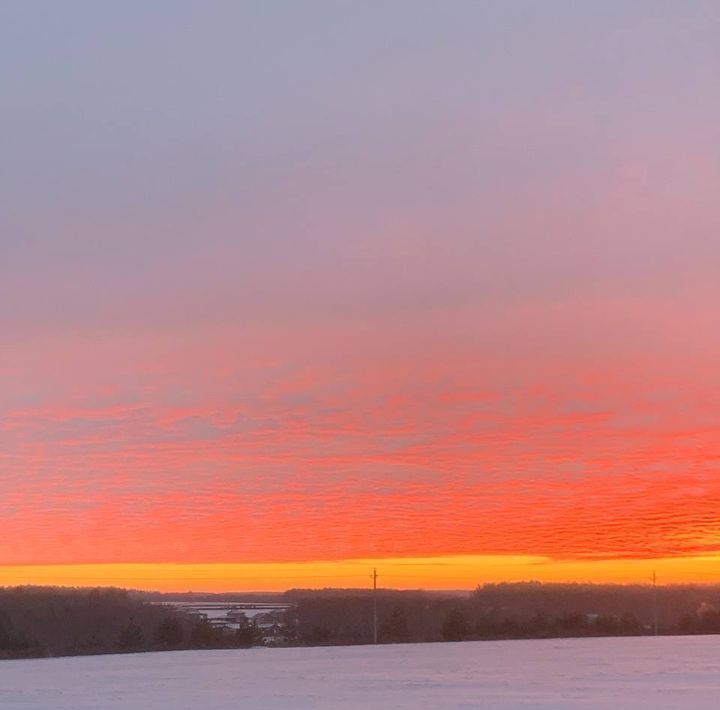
(459,572)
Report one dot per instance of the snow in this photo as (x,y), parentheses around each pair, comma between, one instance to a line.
(665,672)
(219,610)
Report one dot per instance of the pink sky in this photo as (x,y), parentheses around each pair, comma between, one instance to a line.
(360,282)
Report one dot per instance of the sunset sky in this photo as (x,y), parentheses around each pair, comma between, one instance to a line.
(292,289)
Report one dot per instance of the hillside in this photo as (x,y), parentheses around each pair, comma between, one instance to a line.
(665,672)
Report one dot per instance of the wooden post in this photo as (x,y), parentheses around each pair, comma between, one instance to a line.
(374,578)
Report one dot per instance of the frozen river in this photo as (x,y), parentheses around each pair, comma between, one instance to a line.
(670,672)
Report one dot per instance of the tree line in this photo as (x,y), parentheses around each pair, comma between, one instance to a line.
(40,621)
(504,611)
(43,621)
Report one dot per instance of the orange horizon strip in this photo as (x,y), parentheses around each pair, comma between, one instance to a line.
(432,573)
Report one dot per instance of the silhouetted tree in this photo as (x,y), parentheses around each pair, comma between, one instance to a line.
(630,624)
(607,624)
(395,628)
(169,632)
(204,635)
(570,623)
(455,626)
(131,637)
(247,636)
(10,640)
(320,634)
(688,623)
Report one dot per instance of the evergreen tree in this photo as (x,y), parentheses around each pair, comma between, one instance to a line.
(455,626)
(131,637)
(169,632)
(395,629)
(204,635)
(247,636)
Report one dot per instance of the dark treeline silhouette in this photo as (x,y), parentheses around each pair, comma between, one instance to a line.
(39,621)
(504,611)
(47,621)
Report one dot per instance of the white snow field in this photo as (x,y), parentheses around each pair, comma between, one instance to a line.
(670,672)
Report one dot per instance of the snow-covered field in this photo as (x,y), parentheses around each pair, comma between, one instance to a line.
(672,672)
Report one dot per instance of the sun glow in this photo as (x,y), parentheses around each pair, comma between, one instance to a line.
(456,572)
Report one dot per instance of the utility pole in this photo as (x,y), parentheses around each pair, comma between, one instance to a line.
(374,579)
(655,606)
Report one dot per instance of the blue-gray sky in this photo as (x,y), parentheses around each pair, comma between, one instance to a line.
(272,254)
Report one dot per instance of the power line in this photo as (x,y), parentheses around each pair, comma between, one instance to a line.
(655,604)
(374,579)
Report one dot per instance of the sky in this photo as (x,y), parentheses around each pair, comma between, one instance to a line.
(289,290)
